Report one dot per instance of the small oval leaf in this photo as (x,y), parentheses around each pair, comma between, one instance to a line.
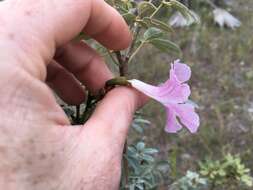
(165,45)
(146,9)
(151,22)
(152,33)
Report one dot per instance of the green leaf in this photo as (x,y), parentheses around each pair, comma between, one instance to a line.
(179,7)
(142,121)
(82,36)
(132,187)
(187,13)
(69,112)
(146,9)
(137,128)
(163,166)
(152,33)
(150,151)
(134,164)
(140,146)
(151,22)
(247,180)
(148,158)
(131,149)
(129,17)
(139,186)
(165,45)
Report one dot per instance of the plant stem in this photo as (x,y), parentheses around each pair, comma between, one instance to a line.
(123,71)
(122,64)
(78,113)
(112,58)
(136,51)
(131,55)
(136,32)
(157,10)
(212,186)
(125,164)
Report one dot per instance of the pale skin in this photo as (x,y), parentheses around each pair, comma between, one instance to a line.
(38,148)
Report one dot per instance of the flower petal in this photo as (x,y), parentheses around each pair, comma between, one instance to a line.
(145,88)
(170,92)
(174,93)
(173,90)
(172,125)
(187,116)
(224,18)
(182,71)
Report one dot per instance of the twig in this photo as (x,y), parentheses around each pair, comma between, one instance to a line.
(125,163)
(123,71)
(157,10)
(131,55)
(136,51)
(112,58)
(122,64)
(136,32)
(77,113)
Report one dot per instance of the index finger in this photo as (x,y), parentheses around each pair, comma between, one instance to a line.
(55,24)
(107,26)
(96,19)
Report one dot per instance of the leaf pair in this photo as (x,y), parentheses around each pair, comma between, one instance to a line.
(156,37)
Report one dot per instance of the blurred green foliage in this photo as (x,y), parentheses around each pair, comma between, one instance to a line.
(191,181)
(228,173)
(221,60)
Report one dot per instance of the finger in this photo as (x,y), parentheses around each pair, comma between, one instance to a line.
(103,23)
(107,26)
(50,23)
(87,66)
(64,84)
(114,115)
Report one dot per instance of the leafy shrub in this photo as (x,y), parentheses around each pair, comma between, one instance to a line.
(191,181)
(145,172)
(229,172)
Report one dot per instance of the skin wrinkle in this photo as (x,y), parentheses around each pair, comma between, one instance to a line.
(13,95)
(74,159)
(99,174)
(22,91)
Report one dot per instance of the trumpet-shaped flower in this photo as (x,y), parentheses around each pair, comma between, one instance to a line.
(173,94)
(224,18)
(178,20)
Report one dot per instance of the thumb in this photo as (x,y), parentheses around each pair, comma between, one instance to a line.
(114,114)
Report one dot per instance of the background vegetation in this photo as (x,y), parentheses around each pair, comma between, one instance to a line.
(221,61)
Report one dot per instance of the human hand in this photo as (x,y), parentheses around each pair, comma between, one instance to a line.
(38,147)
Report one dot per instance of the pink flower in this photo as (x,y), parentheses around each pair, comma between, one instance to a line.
(174,94)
